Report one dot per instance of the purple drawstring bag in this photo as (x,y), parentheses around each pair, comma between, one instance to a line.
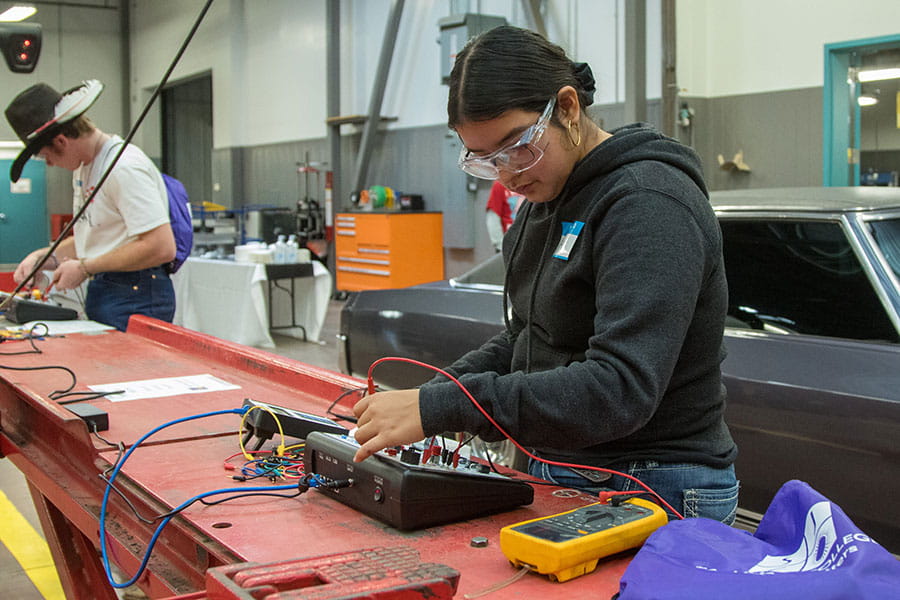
(805,547)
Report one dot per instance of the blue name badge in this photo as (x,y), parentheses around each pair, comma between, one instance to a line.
(570,231)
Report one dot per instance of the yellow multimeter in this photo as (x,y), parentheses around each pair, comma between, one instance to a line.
(569,544)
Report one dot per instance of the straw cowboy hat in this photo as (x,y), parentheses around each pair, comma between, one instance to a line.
(38,113)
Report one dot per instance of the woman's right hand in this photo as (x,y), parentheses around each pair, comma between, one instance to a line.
(387,419)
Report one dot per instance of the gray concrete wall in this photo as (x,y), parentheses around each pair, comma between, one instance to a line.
(780,134)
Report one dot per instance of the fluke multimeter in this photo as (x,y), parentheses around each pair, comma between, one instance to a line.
(569,544)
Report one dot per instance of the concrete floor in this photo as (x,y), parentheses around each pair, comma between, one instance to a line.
(17,585)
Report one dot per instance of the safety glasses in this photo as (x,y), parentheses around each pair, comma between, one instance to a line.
(516,157)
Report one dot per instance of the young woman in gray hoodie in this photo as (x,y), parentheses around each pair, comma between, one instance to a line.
(615,287)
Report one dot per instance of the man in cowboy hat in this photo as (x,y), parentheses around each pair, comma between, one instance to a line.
(124,236)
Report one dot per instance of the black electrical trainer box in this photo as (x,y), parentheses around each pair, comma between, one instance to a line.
(408,496)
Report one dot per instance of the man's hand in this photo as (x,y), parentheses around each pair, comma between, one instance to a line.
(69,275)
(25,267)
(387,419)
(64,250)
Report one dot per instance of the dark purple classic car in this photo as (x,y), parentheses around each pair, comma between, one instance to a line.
(813,340)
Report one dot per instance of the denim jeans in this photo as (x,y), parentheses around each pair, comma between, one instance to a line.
(113,297)
(692,489)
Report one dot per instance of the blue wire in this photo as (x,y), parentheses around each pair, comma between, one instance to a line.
(162,524)
(166,520)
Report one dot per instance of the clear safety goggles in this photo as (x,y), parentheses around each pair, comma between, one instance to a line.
(514,158)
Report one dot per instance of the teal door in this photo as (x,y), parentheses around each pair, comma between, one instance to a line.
(841,131)
(23,212)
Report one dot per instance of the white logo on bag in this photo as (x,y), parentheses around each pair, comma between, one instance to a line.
(819,549)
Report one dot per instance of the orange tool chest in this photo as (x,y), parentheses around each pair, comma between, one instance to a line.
(387,250)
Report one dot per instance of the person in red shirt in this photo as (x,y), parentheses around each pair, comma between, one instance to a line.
(498,216)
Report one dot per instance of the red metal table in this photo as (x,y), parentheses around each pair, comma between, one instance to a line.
(62,463)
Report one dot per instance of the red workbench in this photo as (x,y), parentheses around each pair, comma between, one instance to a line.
(62,461)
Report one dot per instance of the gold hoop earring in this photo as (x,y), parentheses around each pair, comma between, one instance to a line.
(569,131)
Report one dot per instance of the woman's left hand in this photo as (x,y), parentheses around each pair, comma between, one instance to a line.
(387,419)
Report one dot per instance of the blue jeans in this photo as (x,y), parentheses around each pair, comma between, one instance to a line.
(113,297)
(693,490)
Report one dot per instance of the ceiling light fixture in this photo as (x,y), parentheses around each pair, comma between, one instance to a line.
(17,13)
(867,100)
(879,74)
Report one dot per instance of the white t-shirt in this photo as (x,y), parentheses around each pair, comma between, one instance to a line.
(131,201)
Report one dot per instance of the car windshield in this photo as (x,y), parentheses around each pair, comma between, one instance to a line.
(887,236)
(485,275)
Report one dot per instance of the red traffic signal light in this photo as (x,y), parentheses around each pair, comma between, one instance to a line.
(21,45)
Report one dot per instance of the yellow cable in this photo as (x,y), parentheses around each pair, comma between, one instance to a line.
(279,451)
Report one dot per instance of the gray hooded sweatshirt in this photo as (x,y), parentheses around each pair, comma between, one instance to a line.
(618,297)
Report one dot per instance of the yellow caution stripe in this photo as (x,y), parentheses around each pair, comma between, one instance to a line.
(30,550)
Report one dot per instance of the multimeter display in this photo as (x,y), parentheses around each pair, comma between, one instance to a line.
(569,544)
(585,521)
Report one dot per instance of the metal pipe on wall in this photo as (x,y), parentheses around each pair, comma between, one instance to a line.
(669,108)
(125,54)
(333,93)
(635,61)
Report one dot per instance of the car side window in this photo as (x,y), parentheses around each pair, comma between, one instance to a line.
(799,277)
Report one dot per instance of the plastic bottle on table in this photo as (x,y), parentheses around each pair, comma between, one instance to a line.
(292,249)
(280,250)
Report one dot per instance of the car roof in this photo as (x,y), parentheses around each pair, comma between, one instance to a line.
(808,199)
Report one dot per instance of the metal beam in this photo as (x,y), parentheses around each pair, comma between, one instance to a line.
(635,61)
(532,9)
(378,86)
